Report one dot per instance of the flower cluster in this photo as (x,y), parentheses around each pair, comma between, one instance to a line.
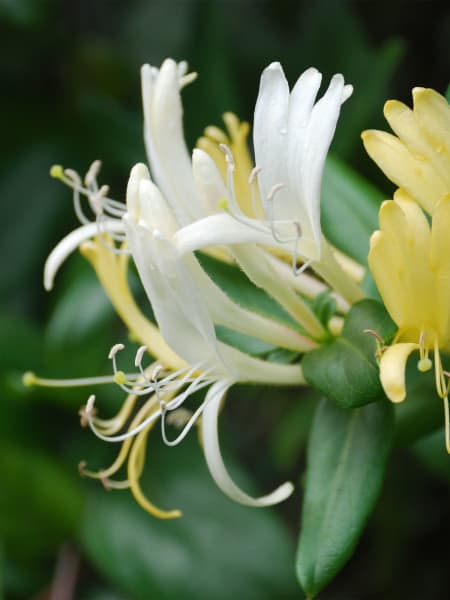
(410,257)
(262,215)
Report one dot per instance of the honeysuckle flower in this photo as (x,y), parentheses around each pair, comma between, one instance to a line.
(410,262)
(185,321)
(418,159)
(281,210)
(162,224)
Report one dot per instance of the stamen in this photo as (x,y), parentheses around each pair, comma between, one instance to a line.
(447,423)
(139,355)
(114,350)
(29,379)
(179,417)
(253,183)
(85,414)
(73,175)
(379,341)
(185,430)
(90,178)
(228,155)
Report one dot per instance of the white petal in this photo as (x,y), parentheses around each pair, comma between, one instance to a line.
(214,458)
(138,173)
(255,370)
(155,212)
(301,103)
(168,156)
(320,133)
(208,181)
(222,228)
(71,242)
(179,309)
(270,130)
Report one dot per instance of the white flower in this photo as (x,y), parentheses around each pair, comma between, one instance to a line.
(185,321)
(292,135)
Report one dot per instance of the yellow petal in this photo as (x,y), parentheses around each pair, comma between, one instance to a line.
(433,112)
(440,263)
(420,142)
(392,370)
(418,177)
(388,271)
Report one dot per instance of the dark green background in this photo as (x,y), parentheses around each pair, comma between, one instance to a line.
(70,94)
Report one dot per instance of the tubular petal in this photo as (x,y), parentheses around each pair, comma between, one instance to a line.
(392,370)
(214,458)
(71,242)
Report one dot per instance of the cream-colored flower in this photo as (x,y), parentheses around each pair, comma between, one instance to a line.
(410,262)
(418,159)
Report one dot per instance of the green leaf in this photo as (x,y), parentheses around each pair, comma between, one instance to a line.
(188,557)
(42,504)
(349,209)
(240,289)
(346,370)
(324,307)
(346,459)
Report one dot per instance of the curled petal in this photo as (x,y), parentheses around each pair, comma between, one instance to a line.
(214,458)
(71,242)
(392,370)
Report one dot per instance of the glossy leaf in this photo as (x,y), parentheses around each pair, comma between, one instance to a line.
(346,370)
(349,209)
(346,458)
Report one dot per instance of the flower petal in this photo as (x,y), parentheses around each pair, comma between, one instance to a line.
(416,176)
(320,132)
(167,152)
(392,370)
(214,458)
(270,130)
(71,242)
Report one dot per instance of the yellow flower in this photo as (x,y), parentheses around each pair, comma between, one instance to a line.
(418,160)
(410,262)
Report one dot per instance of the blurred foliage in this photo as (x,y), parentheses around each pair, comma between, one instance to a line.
(71,95)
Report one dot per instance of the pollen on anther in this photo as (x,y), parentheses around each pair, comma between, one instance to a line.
(115,349)
(139,354)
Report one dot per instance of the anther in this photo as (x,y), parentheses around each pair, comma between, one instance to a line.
(156,371)
(179,417)
(139,356)
(92,173)
(375,334)
(276,188)
(73,176)
(228,155)
(105,483)
(82,468)
(255,172)
(114,350)
(84,415)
